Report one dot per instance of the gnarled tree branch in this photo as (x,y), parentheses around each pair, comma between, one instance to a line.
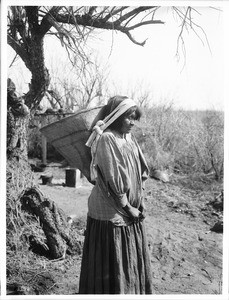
(19,50)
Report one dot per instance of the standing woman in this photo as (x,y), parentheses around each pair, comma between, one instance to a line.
(115,254)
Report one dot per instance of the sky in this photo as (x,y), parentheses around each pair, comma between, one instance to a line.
(194,81)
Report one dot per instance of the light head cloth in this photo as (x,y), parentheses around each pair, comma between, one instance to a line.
(101,125)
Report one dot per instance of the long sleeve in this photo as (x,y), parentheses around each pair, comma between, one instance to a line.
(112,165)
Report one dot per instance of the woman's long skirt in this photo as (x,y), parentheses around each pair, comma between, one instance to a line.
(115,259)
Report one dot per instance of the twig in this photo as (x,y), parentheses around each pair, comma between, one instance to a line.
(37,274)
(14,59)
(52,286)
(207,274)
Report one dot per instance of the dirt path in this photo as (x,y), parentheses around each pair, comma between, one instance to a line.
(186,255)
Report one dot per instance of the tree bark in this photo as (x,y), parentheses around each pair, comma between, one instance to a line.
(21,109)
(40,76)
(17,124)
(52,219)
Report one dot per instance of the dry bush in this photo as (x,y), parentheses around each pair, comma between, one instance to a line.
(182,141)
(209,146)
(160,136)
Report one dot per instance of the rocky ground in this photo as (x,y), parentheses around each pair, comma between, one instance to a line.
(186,249)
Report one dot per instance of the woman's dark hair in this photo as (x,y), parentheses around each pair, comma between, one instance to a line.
(116,125)
(112,103)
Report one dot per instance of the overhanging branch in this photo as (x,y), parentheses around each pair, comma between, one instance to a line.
(114,12)
(145,23)
(133,40)
(103,23)
(45,25)
(19,50)
(133,12)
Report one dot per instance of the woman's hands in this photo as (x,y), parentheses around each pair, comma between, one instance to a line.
(134,213)
(142,209)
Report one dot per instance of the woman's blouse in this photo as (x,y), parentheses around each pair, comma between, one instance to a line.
(121,171)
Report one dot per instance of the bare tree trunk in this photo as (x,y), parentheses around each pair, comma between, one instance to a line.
(53,221)
(17,123)
(40,75)
(21,110)
(19,178)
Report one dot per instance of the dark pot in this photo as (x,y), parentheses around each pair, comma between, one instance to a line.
(46,179)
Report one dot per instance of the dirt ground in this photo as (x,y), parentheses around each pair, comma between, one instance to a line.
(186,255)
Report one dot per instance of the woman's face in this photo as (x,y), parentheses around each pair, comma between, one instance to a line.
(128,123)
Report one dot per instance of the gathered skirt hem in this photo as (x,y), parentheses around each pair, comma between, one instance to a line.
(115,259)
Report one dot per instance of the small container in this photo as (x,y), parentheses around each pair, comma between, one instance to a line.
(46,179)
(70,177)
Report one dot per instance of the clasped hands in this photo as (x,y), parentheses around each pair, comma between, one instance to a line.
(134,213)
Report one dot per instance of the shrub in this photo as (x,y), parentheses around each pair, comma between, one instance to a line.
(182,141)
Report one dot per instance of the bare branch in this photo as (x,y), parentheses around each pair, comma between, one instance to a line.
(19,50)
(54,94)
(135,11)
(27,26)
(102,12)
(187,21)
(133,40)
(103,23)
(45,25)
(92,10)
(14,59)
(145,23)
(114,12)
(180,36)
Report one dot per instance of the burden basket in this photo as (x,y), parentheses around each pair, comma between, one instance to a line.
(69,136)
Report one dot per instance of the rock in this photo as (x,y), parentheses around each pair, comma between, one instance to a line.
(218,227)
(200,237)
(217,203)
(159,175)
(18,289)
